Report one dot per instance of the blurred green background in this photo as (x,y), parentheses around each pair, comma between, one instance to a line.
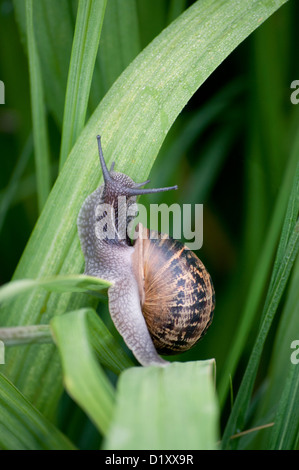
(231,148)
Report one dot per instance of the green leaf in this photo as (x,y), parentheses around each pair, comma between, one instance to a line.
(262,271)
(54,43)
(88,28)
(84,378)
(276,289)
(45,395)
(173,407)
(291,218)
(285,336)
(133,119)
(108,351)
(106,348)
(279,368)
(285,433)
(23,427)
(40,135)
(68,283)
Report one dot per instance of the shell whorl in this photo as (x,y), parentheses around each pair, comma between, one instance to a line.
(177,294)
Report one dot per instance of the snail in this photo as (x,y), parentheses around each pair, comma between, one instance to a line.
(162,298)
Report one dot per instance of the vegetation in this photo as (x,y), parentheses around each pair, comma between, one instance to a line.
(194,93)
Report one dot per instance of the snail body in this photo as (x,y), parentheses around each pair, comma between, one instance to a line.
(162,297)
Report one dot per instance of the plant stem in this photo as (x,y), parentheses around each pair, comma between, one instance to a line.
(17,335)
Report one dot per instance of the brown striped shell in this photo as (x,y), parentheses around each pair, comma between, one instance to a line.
(176,291)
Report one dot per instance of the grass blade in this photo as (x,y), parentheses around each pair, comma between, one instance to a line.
(88,28)
(151,395)
(68,283)
(54,42)
(40,136)
(106,348)
(84,379)
(22,427)
(237,416)
(291,217)
(280,359)
(276,289)
(285,433)
(260,275)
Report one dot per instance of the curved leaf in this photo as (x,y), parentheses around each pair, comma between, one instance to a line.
(177,403)
(287,254)
(84,378)
(40,133)
(67,283)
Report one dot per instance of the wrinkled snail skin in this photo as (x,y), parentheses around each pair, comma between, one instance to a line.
(162,298)
(124,300)
(113,263)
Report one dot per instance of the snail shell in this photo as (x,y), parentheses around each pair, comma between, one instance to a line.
(176,292)
(162,297)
